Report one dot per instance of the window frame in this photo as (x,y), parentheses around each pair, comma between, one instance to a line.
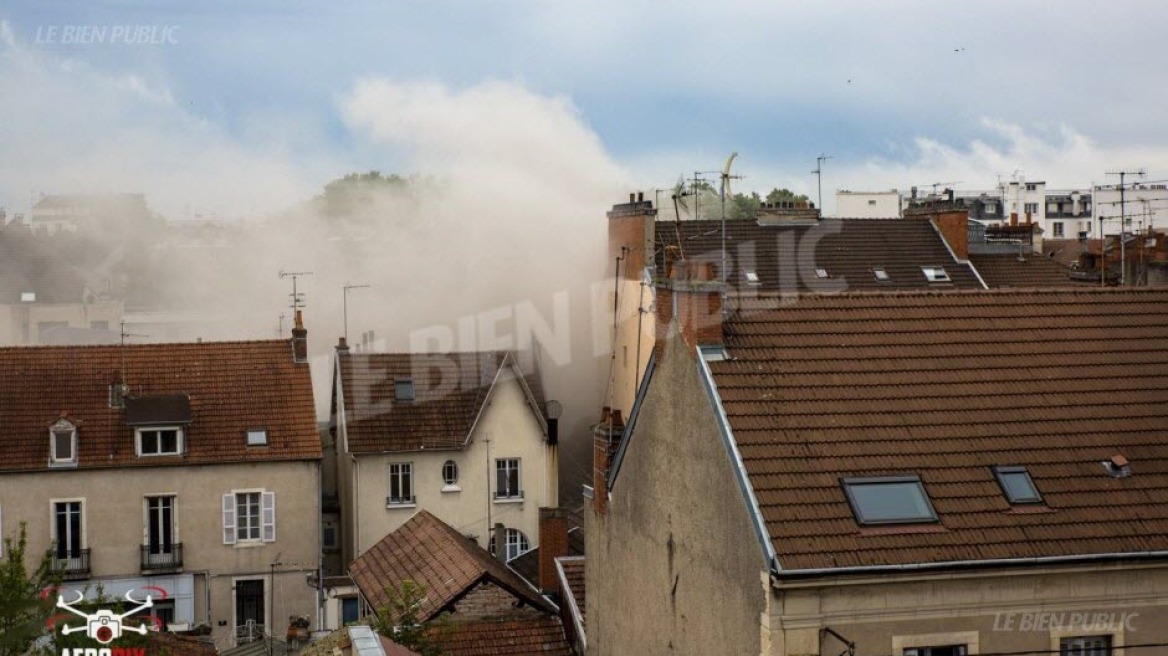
(147,521)
(513,538)
(881,274)
(406,470)
(404,390)
(179,440)
(256,431)
(1114,641)
(450,476)
(266,519)
(848,482)
(1057,230)
(503,464)
(936,274)
(1000,471)
(61,428)
(83,538)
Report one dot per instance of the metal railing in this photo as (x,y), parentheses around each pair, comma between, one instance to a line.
(162,558)
(73,566)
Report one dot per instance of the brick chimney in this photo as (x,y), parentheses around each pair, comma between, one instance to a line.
(631,234)
(553,544)
(951,220)
(299,340)
(693,299)
(606,437)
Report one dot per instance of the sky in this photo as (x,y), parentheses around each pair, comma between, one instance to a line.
(225,107)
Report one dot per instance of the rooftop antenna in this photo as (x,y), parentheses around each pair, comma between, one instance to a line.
(297,298)
(726,177)
(122,350)
(281,329)
(819,176)
(1123,173)
(346,289)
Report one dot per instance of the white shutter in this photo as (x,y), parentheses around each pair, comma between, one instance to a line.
(228,519)
(268,512)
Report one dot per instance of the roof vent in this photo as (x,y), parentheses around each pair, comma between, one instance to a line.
(1118,466)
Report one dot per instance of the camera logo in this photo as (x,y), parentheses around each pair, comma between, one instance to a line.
(104,625)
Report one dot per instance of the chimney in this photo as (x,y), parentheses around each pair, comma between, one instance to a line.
(950,220)
(631,236)
(299,340)
(606,437)
(500,542)
(694,299)
(553,544)
(342,346)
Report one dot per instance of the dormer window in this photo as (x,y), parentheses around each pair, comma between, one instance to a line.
(403,389)
(160,441)
(63,444)
(1017,485)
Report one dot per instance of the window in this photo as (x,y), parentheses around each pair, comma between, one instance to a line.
(990,208)
(401,483)
(752,278)
(1030,186)
(68,531)
(350,610)
(1086,646)
(1031,209)
(329,536)
(1086,207)
(1058,228)
(249,516)
(516,543)
(821,273)
(250,614)
(162,441)
(450,473)
(891,500)
(63,444)
(403,389)
(950,650)
(257,437)
(881,274)
(871,202)
(160,526)
(507,479)
(1017,485)
(162,611)
(935,274)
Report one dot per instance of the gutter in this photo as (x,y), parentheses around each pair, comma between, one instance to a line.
(740,475)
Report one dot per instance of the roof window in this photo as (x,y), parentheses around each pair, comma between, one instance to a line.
(936,274)
(403,389)
(752,277)
(881,274)
(257,437)
(821,273)
(1017,485)
(889,500)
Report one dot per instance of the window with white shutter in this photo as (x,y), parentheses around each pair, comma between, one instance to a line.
(229,519)
(269,516)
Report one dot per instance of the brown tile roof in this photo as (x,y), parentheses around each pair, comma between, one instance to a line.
(574,574)
(431,553)
(848,249)
(1033,271)
(505,637)
(450,389)
(944,386)
(232,386)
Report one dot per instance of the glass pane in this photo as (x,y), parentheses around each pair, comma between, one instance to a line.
(902,501)
(63,448)
(1018,486)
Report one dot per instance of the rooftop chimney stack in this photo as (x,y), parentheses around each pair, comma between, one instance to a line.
(691,300)
(500,542)
(299,340)
(606,437)
(553,544)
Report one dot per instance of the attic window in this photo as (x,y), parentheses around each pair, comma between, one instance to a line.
(821,273)
(403,389)
(63,444)
(881,274)
(889,500)
(1017,485)
(752,277)
(257,437)
(935,274)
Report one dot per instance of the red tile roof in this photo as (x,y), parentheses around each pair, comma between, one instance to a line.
(431,553)
(232,386)
(945,386)
(504,637)
(449,388)
(574,574)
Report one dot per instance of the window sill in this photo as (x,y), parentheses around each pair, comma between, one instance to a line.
(508,499)
(451,488)
(72,464)
(395,506)
(249,544)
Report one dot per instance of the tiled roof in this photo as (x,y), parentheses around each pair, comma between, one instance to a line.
(449,388)
(944,386)
(505,637)
(232,386)
(847,249)
(526,564)
(431,553)
(574,574)
(1033,271)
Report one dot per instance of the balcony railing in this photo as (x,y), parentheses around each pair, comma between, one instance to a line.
(75,566)
(162,558)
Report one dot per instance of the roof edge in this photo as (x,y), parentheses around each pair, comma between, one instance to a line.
(966,262)
(740,474)
(642,392)
(573,608)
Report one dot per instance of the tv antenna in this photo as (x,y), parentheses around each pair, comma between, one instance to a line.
(346,289)
(1123,173)
(726,177)
(297,298)
(819,177)
(122,350)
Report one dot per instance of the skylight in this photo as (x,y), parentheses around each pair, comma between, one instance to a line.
(1017,485)
(889,500)
(935,274)
(257,437)
(752,277)
(881,274)
(821,273)
(403,389)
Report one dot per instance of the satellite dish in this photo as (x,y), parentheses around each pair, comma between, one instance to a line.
(553,409)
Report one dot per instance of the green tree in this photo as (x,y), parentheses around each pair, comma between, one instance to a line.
(777,195)
(399,621)
(742,206)
(23,611)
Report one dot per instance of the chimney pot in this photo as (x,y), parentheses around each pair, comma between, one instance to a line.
(299,340)
(640,196)
(632,197)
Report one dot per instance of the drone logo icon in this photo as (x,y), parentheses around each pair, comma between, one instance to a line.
(104,625)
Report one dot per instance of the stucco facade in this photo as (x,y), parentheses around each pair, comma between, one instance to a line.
(114,529)
(506,429)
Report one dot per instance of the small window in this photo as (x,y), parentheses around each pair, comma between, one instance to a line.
(821,273)
(450,472)
(28,297)
(350,610)
(935,274)
(892,500)
(507,479)
(949,650)
(401,484)
(1017,485)
(881,274)
(871,202)
(165,441)
(990,208)
(1058,228)
(1030,186)
(257,437)
(403,389)
(752,277)
(329,536)
(63,443)
(1086,646)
